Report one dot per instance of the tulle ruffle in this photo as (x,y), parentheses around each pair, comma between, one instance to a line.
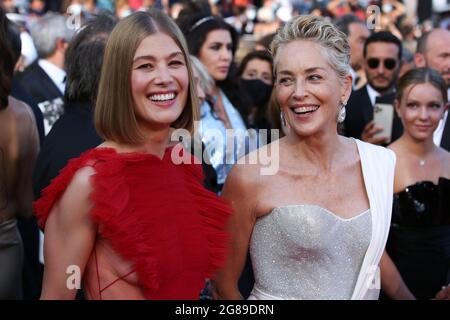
(156,214)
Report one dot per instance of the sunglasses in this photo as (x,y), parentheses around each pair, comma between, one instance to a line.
(389,64)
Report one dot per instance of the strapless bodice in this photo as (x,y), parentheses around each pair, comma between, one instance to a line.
(423,205)
(419,238)
(308,252)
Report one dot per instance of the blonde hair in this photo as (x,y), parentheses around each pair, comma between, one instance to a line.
(206,81)
(114,116)
(318,30)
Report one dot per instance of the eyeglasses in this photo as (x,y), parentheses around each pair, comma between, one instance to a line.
(389,64)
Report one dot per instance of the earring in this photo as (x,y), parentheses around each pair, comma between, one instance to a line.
(342,113)
(283,120)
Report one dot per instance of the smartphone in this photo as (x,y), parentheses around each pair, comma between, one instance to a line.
(383,116)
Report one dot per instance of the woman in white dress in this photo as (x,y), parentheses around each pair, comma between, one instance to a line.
(318,227)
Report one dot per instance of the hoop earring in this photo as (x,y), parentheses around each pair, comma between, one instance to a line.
(342,113)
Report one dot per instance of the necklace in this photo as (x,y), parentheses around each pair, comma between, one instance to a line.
(422,162)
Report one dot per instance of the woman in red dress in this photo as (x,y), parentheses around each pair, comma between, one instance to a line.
(124,218)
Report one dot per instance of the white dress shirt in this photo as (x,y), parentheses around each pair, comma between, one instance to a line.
(373,94)
(55,73)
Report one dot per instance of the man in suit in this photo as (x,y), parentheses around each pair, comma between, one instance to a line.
(433,50)
(382,57)
(44,80)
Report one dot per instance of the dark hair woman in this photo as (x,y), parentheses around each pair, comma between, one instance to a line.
(214,42)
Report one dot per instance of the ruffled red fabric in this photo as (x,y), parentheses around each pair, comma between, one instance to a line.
(156,214)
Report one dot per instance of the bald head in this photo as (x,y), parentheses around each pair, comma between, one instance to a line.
(433,50)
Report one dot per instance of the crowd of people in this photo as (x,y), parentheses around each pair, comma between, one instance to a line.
(136,137)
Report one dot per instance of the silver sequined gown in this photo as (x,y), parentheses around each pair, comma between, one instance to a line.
(307,252)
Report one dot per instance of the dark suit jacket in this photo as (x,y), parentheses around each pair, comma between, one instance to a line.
(445,142)
(18,92)
(38,84)
(360,113)
(72,134)
(41,88)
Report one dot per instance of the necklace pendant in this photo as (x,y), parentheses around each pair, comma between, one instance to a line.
(422,162)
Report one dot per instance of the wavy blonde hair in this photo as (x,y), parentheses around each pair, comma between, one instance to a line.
(318,30)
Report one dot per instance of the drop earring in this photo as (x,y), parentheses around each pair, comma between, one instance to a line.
(342,113)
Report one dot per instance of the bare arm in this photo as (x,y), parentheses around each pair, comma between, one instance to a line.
(238,190)
(69,237)
(391,280)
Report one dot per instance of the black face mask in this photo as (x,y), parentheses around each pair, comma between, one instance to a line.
(257,91)
(36,12)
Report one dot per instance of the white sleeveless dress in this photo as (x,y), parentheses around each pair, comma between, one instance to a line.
(307,252)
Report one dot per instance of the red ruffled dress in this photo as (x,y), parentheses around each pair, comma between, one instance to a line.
(161,233)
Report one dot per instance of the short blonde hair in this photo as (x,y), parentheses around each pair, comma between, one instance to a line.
(114,117)
(318,30)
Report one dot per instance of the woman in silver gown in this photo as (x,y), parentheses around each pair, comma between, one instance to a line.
(316,228)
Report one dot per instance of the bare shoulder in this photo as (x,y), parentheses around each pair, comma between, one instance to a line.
(349,145)
(395,146)
(251,168)
(81,178)
(260,158)
(446,162)
(349,150)
(75,204)
(21,110)
(80,187)
(242,177)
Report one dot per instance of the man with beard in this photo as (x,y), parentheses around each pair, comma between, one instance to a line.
(382,60)
(433,51)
